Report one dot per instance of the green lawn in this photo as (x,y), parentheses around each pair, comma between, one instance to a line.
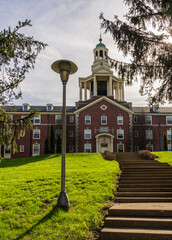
(164,157)
(30,187)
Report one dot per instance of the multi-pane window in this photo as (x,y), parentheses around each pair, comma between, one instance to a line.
(169,120)
(120,134)
(149,147)
(36,133)
(71,133)
(21,148)
(135,119)
(136,148)
(87,119)
(58,132)
(71,148)
(71,119)
(136,133)
(169,147)
(22,133)
(7,149)
(49,107)
(120,147)
(149,134)
(148,120)
(120,120)
(169,134)
(25,108)
(37,120)
(36,149)
(87,147)
(58,119)
(103,120)
(87,133)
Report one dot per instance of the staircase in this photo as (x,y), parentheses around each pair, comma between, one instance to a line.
(143,208)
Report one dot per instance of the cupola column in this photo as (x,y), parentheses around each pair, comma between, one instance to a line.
(80,92)
(110,85)
(95,86)
(85,91)
(118,91)
(123,91)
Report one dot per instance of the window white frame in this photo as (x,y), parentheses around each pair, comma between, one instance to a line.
(71,119)
(136,119)
(87,120)
(120,147)
(149,147)
(136,133)
(149,134)
(169,147)
(169,120)
(87,147)
(7,150)
(71,133)
(58,132)
(71,148)
(22,133)
(87,133)
(37,120)
(36,149)
(169,134)
(120,120)
(21,148)
(103,120)
(58,119)
(148,120)
(49,108)
(36,133)
(120,133)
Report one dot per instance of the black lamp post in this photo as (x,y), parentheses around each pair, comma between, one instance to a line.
(64,68)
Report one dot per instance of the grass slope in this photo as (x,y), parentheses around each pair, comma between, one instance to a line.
(164,157)
(30,187)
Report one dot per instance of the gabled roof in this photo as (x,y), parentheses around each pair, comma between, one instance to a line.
(102,69)
(108,100)
(161,110)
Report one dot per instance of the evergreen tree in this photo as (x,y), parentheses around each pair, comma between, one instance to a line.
(144,38)
(17,56)
(165,142)
(58,144)
(46,146)
(52,139)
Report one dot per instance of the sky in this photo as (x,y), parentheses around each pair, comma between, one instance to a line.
(71,28)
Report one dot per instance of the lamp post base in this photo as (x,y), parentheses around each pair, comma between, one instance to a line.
(62,202)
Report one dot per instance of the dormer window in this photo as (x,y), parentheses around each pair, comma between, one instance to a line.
(26,107)
(49,107)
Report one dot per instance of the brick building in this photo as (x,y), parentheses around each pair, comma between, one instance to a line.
(101,119)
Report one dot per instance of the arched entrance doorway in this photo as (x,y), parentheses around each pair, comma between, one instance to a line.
(104,141)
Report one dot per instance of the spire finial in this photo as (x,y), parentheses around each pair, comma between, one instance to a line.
(100,39)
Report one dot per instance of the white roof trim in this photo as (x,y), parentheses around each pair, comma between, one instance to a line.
(108,100)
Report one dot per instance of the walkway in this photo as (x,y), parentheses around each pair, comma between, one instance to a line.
(143,208)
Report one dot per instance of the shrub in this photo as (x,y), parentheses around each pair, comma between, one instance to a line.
(146,155)
(109,155)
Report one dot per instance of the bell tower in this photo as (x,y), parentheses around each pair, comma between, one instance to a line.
(102,82)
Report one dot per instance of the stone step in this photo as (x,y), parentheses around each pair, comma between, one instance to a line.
(148,189)
(144,185)
(144,194)
(129,181)
(138,222)
(143,199)
(135,234)
(129,174)
(134,166)
(140,170)
(152,210)
(155,177)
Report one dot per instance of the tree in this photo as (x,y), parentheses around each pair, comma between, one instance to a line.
(58,144)
(46,146)
(144,37)
(165,142)
(52,139)
(17,56)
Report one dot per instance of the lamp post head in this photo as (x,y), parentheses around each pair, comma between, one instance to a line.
(64,68)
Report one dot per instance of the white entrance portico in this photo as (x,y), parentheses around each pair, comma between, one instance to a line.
(104,141)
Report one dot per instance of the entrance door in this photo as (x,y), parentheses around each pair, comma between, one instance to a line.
(104,147)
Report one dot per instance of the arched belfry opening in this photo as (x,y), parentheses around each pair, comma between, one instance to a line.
(101,82)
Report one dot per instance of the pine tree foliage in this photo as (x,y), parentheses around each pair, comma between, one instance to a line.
(144,37)
(17,56)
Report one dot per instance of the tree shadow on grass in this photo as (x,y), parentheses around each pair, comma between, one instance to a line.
(42,220)
(17,162)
